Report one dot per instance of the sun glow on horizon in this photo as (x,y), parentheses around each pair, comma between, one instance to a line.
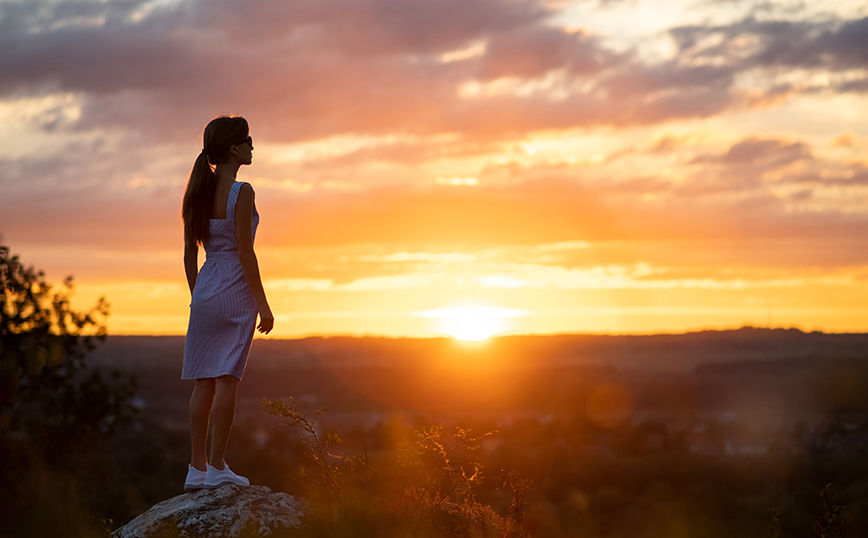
(472,323)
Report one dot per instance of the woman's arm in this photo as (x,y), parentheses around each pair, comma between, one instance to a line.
(244,236)
(191,261)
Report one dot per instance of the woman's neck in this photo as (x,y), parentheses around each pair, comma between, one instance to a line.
(227,171)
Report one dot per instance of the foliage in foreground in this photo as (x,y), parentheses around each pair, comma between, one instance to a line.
(432,485)
(831,520)
(53,408)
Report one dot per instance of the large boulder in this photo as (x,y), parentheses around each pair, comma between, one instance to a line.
(226,512)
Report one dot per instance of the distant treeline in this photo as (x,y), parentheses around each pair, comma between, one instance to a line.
(785,371)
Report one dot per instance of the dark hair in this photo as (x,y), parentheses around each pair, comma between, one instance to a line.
(220,134)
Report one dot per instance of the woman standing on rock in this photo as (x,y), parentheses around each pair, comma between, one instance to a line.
(220,214)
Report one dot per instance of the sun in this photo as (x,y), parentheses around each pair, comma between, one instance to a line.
(471,323)
(473,330)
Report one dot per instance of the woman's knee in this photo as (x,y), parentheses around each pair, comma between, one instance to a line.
(204,385)
(227,383)
(227,379)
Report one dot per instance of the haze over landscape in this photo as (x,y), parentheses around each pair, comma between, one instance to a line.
(460,167)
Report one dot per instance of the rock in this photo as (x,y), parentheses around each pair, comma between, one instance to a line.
(226,512)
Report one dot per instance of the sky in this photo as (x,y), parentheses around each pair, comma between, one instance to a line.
(457,167)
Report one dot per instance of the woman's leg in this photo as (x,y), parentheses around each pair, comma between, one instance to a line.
(222,414)
(200,410)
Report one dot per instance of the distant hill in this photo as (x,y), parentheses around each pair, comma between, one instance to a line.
(664,352)
(715,370)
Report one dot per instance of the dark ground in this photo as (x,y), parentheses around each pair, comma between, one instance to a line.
(701,434)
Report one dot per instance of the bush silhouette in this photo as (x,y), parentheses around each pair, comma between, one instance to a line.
(53,408)
(427,486)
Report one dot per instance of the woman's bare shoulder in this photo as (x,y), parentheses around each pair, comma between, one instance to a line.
(245,192)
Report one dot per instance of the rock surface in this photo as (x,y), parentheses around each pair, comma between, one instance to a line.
(226,512)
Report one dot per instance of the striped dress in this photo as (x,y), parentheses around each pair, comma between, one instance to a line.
(223,310)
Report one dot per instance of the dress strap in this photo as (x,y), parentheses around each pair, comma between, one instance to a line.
(233,199)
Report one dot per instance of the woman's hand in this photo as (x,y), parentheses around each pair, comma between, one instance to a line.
(266,319)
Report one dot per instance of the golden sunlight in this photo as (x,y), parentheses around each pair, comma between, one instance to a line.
(473,323)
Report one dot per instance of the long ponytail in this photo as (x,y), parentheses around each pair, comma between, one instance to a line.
(220,134)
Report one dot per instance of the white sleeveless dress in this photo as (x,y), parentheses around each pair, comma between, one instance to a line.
(223,310)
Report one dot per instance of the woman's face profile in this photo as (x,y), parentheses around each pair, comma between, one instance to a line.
(244,150)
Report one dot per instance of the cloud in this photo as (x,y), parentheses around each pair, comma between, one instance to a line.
(854,86)
(750,43)
(562,206)
(437,79)
(350,66)
(769,153)
(755,188)
(531,52)
(412,151)
(308,69)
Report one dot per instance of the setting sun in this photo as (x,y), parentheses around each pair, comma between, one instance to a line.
(471,323)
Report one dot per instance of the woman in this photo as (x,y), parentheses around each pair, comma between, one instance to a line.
(220,214)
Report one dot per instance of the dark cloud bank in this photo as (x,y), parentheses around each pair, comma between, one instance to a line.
(311,68)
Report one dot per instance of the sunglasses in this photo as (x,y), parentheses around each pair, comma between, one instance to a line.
(248,140)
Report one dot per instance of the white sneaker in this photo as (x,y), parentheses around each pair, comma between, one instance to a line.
(195,479)
(215,478)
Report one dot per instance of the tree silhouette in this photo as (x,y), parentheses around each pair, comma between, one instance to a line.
(53,406)
(46,391)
